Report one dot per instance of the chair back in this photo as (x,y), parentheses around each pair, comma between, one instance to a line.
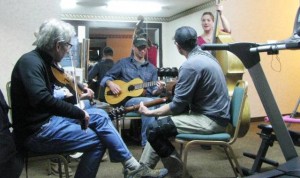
(27,154)
(236,108)
(4,120)
(8,86)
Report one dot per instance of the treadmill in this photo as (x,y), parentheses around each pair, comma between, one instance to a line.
(248,53)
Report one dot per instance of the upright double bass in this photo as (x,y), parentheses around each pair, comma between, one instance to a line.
(138,31)
(233,70)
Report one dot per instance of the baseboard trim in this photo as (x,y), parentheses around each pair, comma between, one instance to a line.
(262,118)
(257,119)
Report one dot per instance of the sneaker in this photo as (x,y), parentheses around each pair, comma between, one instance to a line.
(145,172)
(55,171)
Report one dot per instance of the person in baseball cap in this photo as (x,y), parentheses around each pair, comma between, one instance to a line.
(140,40)
(193,108)
(134,67)
(186,37)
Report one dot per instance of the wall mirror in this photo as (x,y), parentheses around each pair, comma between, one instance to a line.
(117,35)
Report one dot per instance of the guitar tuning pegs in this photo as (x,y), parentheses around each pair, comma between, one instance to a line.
(112,114)
(168,72)
(174,72)
(161,72)
(120,112)
(122,109)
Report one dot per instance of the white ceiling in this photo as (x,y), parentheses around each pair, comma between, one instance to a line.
(170,8)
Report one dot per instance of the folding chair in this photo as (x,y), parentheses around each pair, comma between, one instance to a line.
(40,156)
(226,139)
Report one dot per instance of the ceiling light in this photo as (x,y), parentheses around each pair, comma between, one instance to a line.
(91,3)
(133,6)
(67,4)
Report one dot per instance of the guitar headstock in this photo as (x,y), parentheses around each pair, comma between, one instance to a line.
(117,113)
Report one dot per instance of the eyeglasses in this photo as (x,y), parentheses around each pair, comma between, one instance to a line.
(66,43)
(69,45)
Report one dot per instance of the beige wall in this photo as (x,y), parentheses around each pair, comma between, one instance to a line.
(260,22)
(254,21)
(18,21)
(121,46)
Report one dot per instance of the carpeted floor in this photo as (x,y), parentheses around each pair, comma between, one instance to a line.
(201,163)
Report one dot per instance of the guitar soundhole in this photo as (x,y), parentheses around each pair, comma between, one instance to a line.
(109,93)
(130,88)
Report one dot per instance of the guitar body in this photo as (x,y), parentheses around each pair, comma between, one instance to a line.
(127,90)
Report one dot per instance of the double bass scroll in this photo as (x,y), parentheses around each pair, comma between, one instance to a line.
(138,31)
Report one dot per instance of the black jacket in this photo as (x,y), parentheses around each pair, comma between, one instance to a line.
(32,95)
(10,165)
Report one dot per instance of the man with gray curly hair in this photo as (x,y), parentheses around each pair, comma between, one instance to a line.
(45,124)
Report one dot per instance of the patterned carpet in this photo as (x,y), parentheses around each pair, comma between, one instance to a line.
(201,163)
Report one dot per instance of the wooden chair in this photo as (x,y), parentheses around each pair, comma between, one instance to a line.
(122,114)
(226,139)
(130,116)
(40,156)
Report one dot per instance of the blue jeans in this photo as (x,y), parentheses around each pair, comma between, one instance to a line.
(65,135)
(146,120)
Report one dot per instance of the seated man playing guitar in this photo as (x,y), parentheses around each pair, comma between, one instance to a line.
(132,67)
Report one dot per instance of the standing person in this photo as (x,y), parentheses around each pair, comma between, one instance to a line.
(100,69)
(200,104)
(45,124)
(207,22)
(135,66)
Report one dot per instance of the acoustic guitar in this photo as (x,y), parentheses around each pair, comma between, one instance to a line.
(133,88)
(120,112)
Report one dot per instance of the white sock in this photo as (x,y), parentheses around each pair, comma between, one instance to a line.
(131,164)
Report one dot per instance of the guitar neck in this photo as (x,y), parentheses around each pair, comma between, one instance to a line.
(148,104)
(148,84)
(145,85)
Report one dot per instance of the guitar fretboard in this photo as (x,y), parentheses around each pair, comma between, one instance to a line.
(149,84)
(144,85)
